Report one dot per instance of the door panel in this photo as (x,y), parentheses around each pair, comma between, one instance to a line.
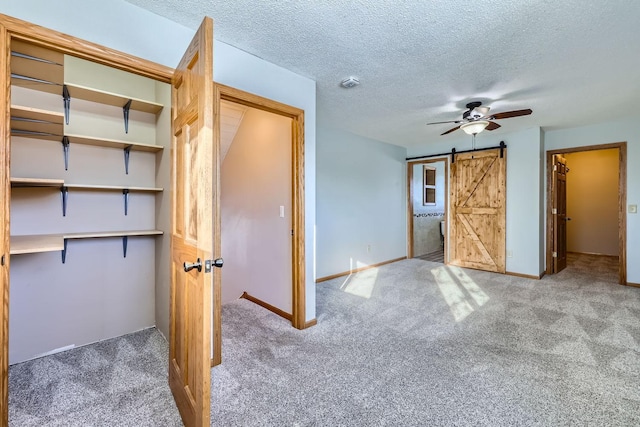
(478,199)
(559,212)
(192,227)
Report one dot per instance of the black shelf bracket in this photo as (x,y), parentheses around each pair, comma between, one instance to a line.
(127,154)
(64,192)
(66,97)
(64,251)
(125,241)
(125,111)
(65,151)
(125,193)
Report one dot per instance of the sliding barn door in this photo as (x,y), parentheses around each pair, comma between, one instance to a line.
(478,200)
(194,168)
(559,212)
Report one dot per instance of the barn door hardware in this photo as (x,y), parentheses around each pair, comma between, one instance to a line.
(125,241)
(453,152)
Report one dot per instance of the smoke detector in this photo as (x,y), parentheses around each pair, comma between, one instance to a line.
(350,82)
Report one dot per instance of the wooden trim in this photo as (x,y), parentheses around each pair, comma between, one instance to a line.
(526,276)
(622,203)
(314,322)
(266,305)
(633,285)
(592,253)
(346,273)
(410,248)
(222,92)
(5,196)
(60,42)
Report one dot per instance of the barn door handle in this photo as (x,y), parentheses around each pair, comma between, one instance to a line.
(189,267)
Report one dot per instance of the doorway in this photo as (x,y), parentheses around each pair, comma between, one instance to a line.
(260,220)
(427,192)
(255,200)
(594,223)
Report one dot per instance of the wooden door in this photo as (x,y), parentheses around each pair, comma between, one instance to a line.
(194,168)
(478,199)
(559,212)
(5,196)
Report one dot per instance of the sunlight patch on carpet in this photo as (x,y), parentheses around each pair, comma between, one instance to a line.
(459,291)
(361,284)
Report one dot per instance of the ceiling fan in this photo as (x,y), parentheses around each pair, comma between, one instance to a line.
(477,118)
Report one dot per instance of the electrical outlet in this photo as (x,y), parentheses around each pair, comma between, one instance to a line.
(509,254)
(633,208)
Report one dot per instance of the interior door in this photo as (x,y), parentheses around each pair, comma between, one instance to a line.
(478,200)
(194,168)
(559,212)
(5,195)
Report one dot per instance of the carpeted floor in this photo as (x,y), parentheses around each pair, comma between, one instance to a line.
(436,256)
(411,343)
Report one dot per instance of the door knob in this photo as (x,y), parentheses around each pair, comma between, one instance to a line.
(189,266)
(219,262)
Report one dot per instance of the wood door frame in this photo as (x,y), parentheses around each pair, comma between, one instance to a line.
(16,29)
(622,203)
(226,93)
(410,165)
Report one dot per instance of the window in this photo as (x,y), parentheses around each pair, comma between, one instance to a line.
(429,186)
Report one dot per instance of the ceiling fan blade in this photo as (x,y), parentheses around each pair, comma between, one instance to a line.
(440,123)
(492,126)
(450,130)
(508,114)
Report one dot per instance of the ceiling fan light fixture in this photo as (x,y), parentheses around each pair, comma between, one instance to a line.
(473,128)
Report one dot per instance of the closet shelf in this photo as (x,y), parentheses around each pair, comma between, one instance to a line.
(114,143)
(58,242)
(36,182)
(103,234)
(110,98)
(36,244)
(58,183)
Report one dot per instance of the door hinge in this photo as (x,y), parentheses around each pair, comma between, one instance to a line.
(554,254)
(2,260)
(555,168)
(554,211)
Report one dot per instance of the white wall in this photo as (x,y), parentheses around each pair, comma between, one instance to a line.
(361,202)
(604,133)
(256,181)
(122,26)
(592,202)
(523,220)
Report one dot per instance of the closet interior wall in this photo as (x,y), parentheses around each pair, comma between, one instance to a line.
(89,201)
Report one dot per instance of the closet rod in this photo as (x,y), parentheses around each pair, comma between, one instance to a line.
(453,151)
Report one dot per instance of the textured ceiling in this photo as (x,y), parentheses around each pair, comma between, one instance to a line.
(573,62)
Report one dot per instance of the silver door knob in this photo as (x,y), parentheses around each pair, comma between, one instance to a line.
(189,266)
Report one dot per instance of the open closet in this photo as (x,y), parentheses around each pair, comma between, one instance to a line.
(99,154)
